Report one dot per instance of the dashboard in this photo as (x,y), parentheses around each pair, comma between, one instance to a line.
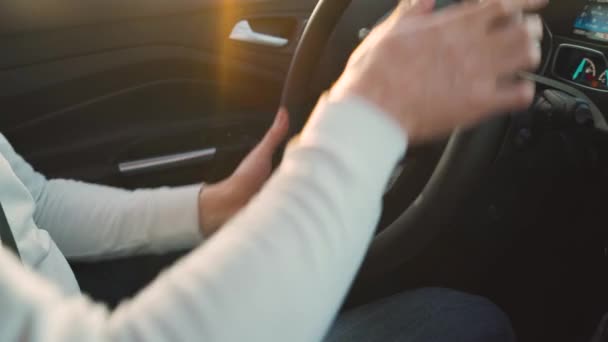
(575,50)
(581,61)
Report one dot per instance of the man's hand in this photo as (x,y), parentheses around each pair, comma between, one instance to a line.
(219,202)
(436,71)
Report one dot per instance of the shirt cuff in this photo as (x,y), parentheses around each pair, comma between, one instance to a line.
(177,220)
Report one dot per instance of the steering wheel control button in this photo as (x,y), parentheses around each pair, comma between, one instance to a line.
(523,137)
(559,108)
(583,115)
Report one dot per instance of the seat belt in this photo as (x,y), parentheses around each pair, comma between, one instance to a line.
(6,235)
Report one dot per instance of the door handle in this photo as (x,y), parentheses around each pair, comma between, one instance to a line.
(166,162)
(243,32)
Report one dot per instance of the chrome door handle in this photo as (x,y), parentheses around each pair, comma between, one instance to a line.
(166,162)
(243,32)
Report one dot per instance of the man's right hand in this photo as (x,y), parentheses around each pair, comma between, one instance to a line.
(436,71)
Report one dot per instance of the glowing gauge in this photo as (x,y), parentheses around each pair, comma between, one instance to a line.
(603,79)
(582,66)
(586,69)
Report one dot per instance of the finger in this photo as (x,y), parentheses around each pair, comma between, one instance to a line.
(519,46)
(277,132)
(534,24)
(531,22)
(515,95)
(415,7)
(532,5)
(497,10)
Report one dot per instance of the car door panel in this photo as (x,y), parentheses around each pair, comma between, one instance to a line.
(144,121)
(18,17)
(91,92)
(87,88)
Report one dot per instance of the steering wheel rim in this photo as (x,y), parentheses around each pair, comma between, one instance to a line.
(467,156)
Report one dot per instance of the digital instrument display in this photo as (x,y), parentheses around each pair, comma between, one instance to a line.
(592,21)
(582,66)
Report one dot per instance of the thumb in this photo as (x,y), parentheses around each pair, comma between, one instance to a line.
(415,7)
(277,132)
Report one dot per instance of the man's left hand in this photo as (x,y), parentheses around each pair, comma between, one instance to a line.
(219,202)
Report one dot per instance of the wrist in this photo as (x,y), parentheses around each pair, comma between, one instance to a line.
(209,199)
(217,204)
(345,90)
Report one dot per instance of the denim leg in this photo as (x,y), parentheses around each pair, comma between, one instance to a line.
(425,315)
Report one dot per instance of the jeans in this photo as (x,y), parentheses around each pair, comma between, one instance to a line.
(426,315)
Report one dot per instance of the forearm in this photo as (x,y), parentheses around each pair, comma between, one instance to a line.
(90,221)
(278,271)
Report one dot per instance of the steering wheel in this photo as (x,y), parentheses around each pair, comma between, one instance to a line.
(467,154)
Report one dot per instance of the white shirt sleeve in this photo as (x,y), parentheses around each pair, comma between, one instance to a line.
(277,272)
(89,221)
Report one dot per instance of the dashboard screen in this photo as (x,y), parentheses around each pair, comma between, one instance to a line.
(592,21)
(582,66)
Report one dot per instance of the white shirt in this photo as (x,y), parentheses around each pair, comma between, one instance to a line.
(277,272)
(89,222)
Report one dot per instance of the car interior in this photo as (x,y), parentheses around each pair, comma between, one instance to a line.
(148,93)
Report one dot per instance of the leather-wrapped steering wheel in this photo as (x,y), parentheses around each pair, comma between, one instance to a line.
(466,156)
